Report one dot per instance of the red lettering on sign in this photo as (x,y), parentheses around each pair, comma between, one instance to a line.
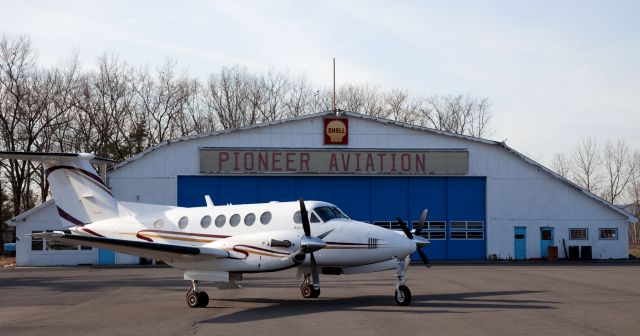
(263,161)
(290,161)
(381,156)
(405,159)
(275,159)
(420,162)
(345,163)
(369,166)
(222,158)
(304,161)
(333,163)
(248,161)
(393,162)
(235,159)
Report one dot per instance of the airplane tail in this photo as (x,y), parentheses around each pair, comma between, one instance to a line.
(78,192)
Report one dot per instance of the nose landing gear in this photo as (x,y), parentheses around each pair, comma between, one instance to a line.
(195,297)
(402,294)
(308,289)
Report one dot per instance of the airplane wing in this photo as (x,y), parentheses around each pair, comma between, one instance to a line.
(142,249)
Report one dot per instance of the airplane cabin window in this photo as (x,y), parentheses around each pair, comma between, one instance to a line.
(297,217)
(205,221)
(314,218)
(328,213)
(220,220)
(249,219)
(158,224)
(182,223)
(234,220)
(265,218)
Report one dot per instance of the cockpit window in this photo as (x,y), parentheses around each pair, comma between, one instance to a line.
(328,213)
(314,218)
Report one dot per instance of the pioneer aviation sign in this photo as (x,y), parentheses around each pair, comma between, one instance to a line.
(328,162)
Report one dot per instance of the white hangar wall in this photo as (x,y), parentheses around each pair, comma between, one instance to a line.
(519,193)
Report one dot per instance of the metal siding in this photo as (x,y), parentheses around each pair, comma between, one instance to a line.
(466,202)
(429,193)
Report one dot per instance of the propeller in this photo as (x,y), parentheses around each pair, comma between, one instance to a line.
(417,239)
(309,244)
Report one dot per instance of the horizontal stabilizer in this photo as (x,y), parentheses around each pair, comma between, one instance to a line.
(53,157)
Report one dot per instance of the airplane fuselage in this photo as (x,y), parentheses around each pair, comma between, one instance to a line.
(258,237)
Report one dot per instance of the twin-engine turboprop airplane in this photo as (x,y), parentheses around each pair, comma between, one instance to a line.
(219,243)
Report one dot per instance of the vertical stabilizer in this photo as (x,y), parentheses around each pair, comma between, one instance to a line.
(79,193)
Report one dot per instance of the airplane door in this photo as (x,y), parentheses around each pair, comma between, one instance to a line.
(520,238)
(546,240)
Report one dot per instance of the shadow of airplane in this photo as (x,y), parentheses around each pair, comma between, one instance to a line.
(278,308)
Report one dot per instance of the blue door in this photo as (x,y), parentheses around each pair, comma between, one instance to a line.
(106,257)
(546,240)
(520,237)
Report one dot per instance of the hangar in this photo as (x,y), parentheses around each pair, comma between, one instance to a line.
(485,200)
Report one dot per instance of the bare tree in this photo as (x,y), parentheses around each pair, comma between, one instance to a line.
(561,164)
(461,114)
(619,167)
(586,161)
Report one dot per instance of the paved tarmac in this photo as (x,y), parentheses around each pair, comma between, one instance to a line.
(447,300)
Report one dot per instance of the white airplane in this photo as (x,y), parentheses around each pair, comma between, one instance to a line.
(219,243)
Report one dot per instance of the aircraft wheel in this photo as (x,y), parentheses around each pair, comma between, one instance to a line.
(307,291)
(203,299)
(315,292)
(403,296)
(197,299)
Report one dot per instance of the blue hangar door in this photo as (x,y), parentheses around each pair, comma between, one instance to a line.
(456,222)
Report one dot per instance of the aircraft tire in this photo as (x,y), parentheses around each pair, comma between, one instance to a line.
(403,296)
(193,300)
(203,299)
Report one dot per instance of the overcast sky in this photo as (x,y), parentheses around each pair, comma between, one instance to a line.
(555,71)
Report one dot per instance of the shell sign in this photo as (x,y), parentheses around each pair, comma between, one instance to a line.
(336,131)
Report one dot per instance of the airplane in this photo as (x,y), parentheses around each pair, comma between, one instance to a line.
(220,243)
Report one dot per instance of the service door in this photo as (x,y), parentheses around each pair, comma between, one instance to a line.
(520,237)
(546,240)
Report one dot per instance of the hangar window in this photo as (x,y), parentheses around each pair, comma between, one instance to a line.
(383,224)
(265,218)
(234,220)
(297,217)
(472,230)
(249,219)
(432,230)
(608,234)
(220,220)
(205,221)
(183,221)
(578,234)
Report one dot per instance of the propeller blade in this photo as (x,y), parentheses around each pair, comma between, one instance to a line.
(405,228)
(424,257)
(314,272)
(423,217)
(305,218)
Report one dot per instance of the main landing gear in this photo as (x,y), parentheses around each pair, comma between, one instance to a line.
(195,297)
(403,294)
(308,289)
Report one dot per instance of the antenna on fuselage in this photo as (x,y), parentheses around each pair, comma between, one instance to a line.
(208,200)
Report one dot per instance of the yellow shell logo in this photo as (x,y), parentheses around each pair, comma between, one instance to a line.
(336,130)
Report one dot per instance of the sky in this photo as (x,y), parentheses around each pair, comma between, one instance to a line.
(556,72)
